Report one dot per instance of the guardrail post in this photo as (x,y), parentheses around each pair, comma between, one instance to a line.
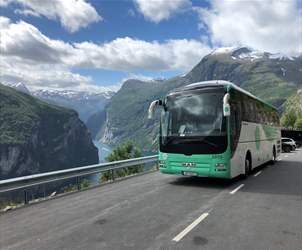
(78,183)
(44,191)
(26,197)
(112,174)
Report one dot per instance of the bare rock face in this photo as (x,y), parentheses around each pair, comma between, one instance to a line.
(36,137)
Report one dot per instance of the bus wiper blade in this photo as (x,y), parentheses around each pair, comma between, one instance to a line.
(170,139)
(200,140)
(210,143)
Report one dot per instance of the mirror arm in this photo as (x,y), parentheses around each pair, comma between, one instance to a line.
(152,107)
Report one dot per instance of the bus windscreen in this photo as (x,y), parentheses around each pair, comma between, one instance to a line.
(193,118)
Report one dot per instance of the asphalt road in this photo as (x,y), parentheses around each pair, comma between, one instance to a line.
(156,211)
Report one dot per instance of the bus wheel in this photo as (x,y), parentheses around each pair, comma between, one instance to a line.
(274,158)
(247,167)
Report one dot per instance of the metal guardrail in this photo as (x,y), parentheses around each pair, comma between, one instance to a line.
(49,177)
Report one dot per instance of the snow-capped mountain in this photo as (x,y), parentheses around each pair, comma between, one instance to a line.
(247,53)
(19,86)
(85,103)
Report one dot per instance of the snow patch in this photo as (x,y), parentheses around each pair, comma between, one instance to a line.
(252,55)
(18,86)
(247,53)
(224,50)
(280,56)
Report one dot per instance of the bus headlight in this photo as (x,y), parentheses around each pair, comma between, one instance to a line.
(220,167)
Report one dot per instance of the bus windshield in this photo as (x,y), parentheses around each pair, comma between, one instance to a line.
(193,116)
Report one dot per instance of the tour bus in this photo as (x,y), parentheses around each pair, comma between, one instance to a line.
(215,129)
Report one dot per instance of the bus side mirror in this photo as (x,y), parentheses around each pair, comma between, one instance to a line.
(152,107)
(226,105)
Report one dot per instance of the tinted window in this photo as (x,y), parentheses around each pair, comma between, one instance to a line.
(255,111)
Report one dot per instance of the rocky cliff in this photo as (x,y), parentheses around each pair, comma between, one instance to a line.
(38,137)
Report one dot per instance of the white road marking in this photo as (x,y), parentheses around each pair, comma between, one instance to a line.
(236,189)
(279,159)
(285,155)
(257,173)
(190,227)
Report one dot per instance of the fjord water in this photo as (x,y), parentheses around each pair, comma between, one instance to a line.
(104,150)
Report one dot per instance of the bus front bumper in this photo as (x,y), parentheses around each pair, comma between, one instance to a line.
(209,171)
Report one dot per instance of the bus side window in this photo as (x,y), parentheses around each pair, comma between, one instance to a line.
(235,125)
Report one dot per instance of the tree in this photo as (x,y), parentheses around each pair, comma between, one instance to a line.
(124,151)
(298,123)
(289,118)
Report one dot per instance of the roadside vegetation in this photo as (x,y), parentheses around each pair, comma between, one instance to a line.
(124,151)
(292,115)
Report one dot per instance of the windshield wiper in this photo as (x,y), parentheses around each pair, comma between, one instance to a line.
(170,139)
(178,139)
(201,140)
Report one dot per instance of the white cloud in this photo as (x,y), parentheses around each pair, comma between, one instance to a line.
(72,14)
(30,57)
(25,41)
(14,69)
(137,77)
(274,26)
(159,10)
(4,3)
(128,54)
(28,54)
(46,76)
(26,12)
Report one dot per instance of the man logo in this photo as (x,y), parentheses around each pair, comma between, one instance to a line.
(189,164)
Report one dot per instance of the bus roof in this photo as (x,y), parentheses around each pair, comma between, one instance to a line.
(219,83)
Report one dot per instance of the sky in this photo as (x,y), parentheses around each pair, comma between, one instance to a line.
(95,45)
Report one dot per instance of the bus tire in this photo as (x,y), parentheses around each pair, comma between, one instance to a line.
(247,165)
(274,158)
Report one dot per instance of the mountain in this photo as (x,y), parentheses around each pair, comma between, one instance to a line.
(94,122)
(20,87)
(85,103)
(89,105)
(272,77)
(38,137)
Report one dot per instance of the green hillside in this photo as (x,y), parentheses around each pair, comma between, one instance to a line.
(38,137)
(20,114)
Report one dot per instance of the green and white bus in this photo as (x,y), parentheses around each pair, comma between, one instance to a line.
(215,129)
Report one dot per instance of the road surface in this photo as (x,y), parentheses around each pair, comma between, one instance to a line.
(156,211)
